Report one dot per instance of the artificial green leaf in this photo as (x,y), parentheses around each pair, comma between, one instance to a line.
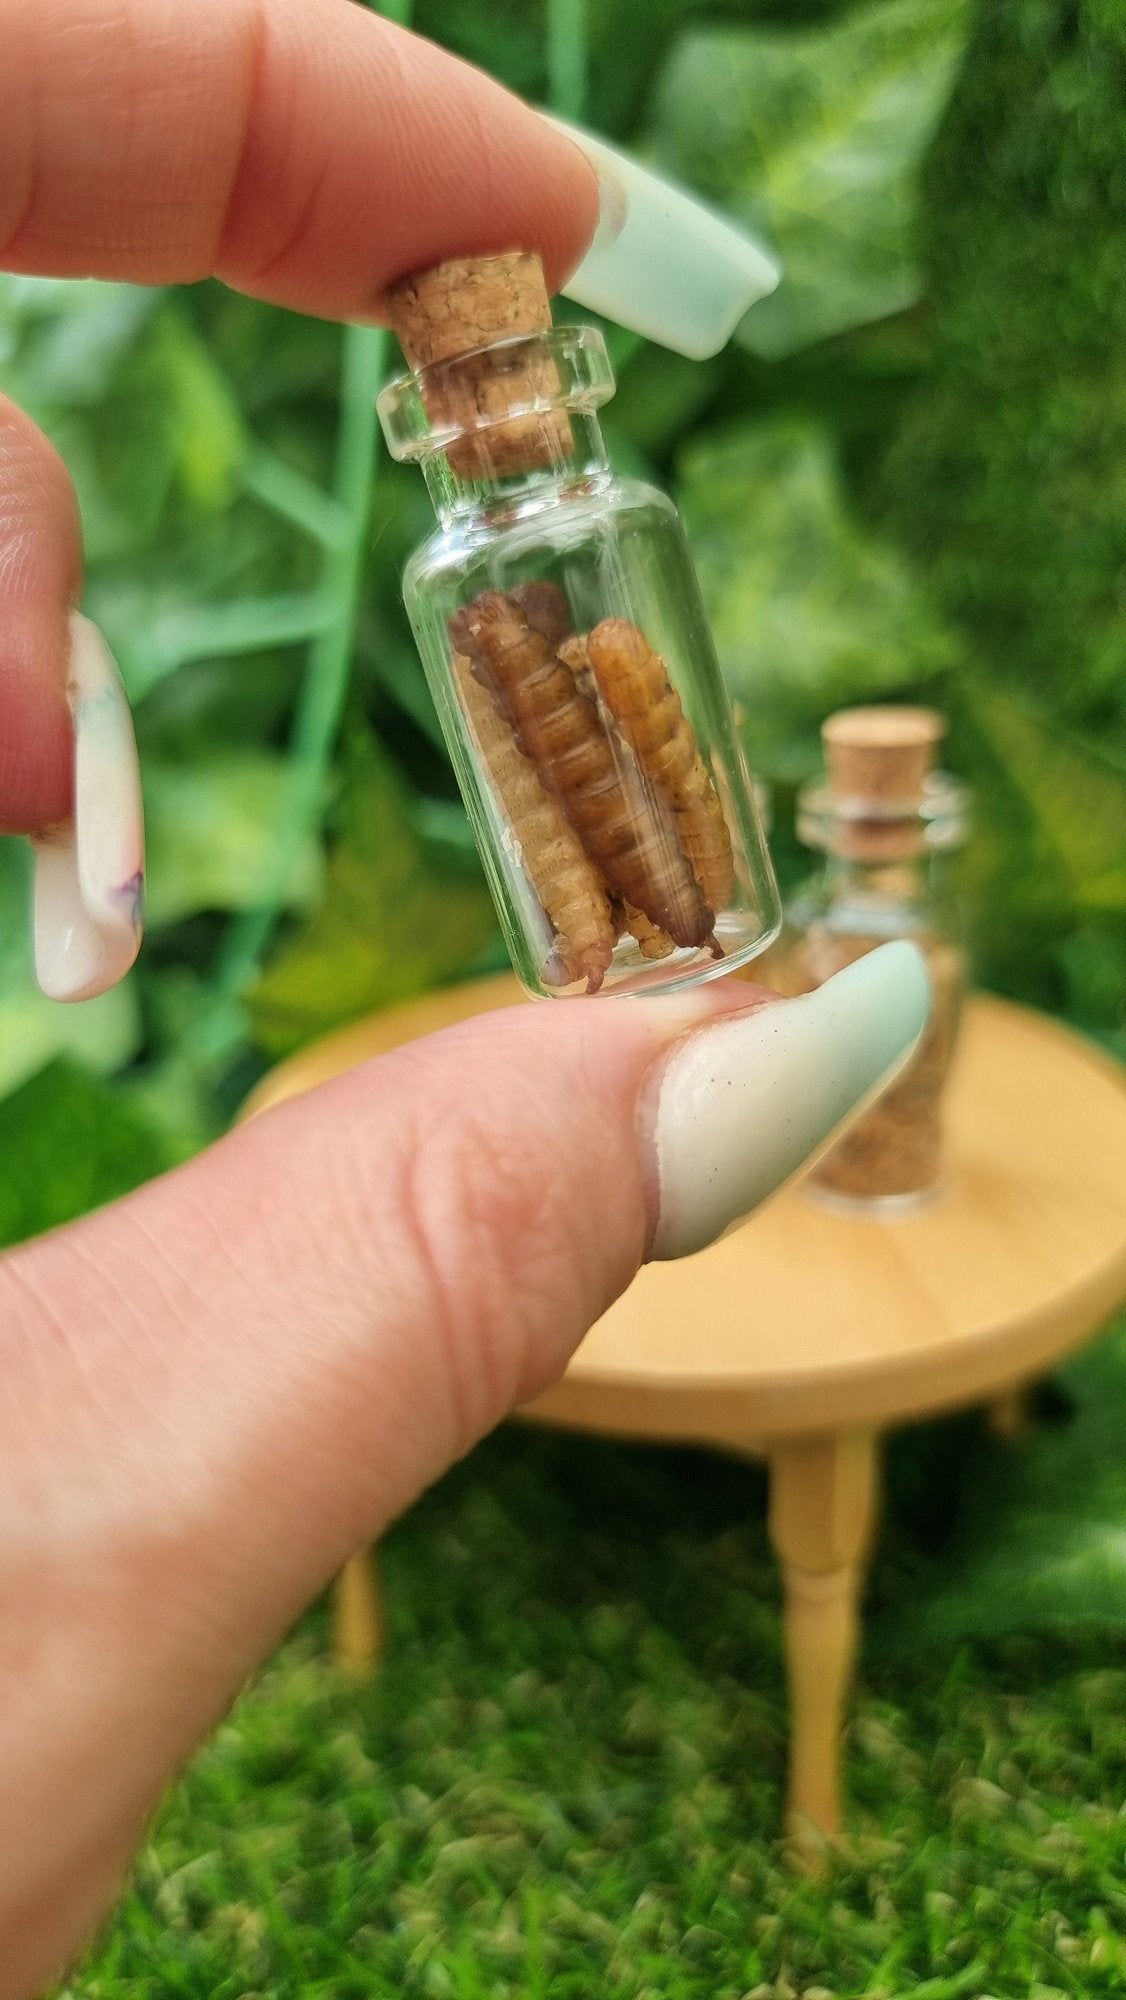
(398,671)
(283,365)
(1092,957)
(79,356)
(70,1142)
(212,829)
(102,1033)
(659,396)
(155,642)
(627,41)
(61,341)
(506,37)
(1076,795)
(813,138)
(194,1086)
(298,499)
(1106,891)
(390,924)
(168,430)
(443,829)
(203,410)
(808,611)
(236,705)
(1042,1535)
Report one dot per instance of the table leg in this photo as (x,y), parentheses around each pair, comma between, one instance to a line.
(357,1614)
(822,1506)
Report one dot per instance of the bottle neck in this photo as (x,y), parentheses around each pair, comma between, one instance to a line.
(878,884)
(494,495)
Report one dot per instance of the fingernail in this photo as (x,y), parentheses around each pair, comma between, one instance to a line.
(89,873)
(746,1101)
(661,262)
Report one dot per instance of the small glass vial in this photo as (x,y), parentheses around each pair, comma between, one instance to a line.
(561,629)
(887,824)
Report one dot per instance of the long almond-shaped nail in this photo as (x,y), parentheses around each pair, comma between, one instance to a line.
(89,873)
(746,1101)
(661,262)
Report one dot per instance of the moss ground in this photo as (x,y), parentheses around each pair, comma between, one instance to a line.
(567,1779)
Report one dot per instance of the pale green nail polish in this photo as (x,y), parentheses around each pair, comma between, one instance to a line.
(661,262)
(747,1101)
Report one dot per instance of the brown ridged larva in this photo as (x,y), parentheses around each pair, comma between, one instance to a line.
(652,941)
(573,653)
(634,683)
(560,728)
(567,883)
(546,609)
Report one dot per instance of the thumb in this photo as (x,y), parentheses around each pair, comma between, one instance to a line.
(219,1387)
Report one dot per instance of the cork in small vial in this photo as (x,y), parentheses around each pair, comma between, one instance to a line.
(447,316)
(880,757)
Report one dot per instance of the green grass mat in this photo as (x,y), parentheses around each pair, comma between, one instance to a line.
(567,1780)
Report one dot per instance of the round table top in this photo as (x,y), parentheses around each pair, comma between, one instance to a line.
(805,1321)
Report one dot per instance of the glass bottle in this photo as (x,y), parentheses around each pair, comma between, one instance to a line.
(888,825)
(560,625)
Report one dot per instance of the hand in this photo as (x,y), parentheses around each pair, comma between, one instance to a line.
(303,150)
(217,1389)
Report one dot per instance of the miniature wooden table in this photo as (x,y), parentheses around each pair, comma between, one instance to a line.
(803,1335)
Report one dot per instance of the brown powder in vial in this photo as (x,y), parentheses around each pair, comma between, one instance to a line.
(869,815)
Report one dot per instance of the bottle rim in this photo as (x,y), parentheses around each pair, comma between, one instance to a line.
(937,817)
(426,410)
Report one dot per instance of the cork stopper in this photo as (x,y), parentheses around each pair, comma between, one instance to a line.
(881,753)
(443,319)
(879,758)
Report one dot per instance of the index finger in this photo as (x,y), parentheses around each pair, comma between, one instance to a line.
(306,151)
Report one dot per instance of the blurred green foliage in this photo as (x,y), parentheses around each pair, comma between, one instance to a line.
(815,140)
(390,921)
(907,476)
(79,1144)
(807,609)
(1032,1535)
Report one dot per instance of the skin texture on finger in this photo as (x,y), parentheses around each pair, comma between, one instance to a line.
(217,1389)
(40,575)
(303,150)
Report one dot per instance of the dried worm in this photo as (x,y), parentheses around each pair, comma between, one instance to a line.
(546,609)
(566,881)
(618,820)
(633,681)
